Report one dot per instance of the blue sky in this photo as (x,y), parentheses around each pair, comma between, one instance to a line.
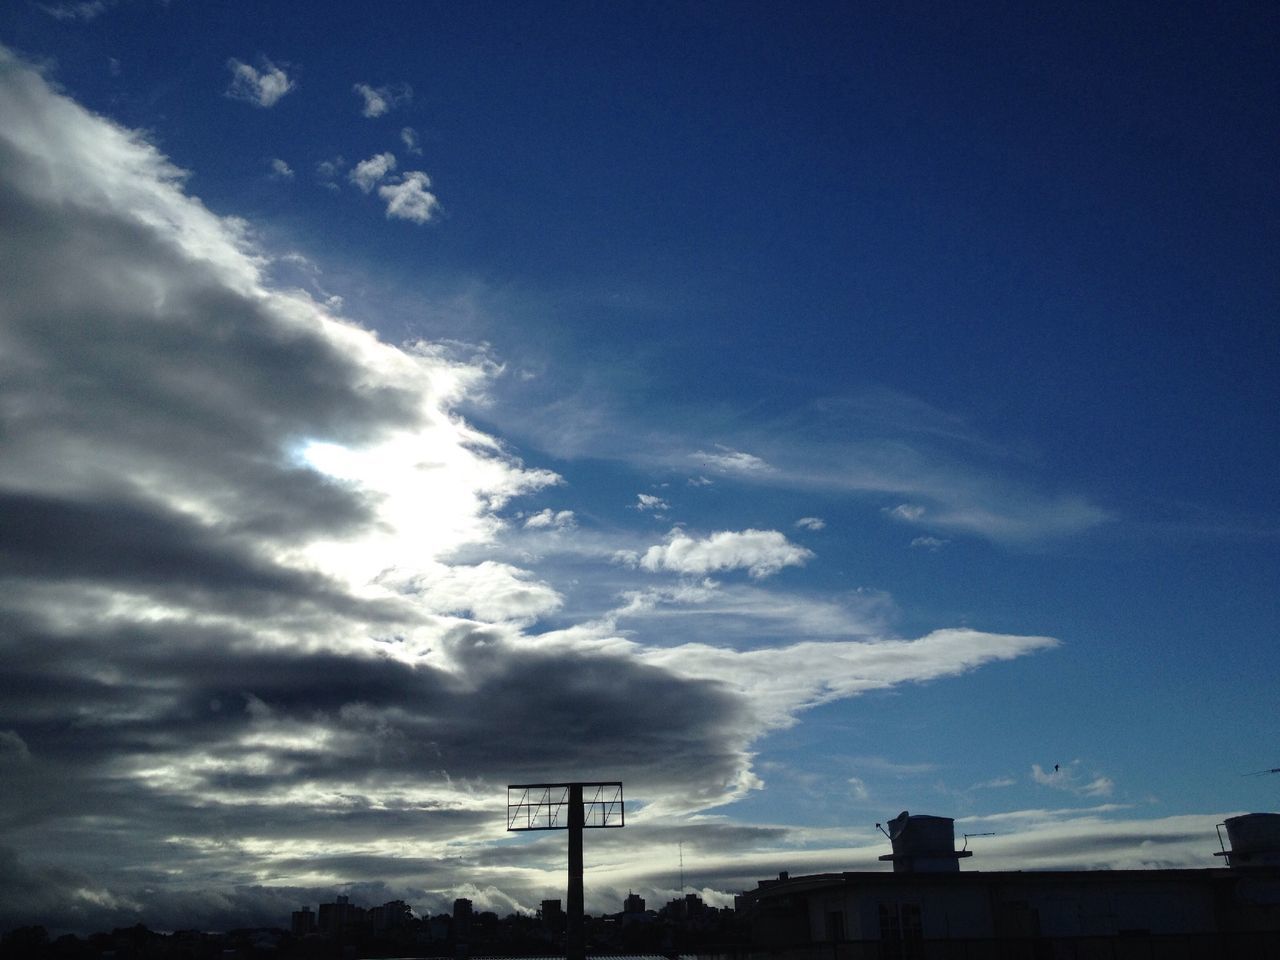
(801,414)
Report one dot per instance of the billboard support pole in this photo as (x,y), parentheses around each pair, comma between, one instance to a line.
(561,806)
(575,937)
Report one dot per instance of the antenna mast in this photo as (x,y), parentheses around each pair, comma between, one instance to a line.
(682,868)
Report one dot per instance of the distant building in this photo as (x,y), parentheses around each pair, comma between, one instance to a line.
(303,922)
(392,916)
(462,916)
(686,908)
(553,920)
(927,899)
(339,917)
(633,904)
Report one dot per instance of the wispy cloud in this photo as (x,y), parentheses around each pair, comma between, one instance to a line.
(811,523)
(932,544)
(1069,779)
(932,470)
(261,87)
(729,460)
(86,11)
(377,101)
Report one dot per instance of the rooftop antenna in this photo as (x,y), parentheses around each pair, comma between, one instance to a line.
(968,835)
(883,830)
(682,868)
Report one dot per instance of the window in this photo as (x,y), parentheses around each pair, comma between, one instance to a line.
(901,931)
(835,925)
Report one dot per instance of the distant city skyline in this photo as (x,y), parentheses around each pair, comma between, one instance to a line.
(801,414)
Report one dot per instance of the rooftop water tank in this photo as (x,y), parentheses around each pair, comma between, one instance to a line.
(923,844)
(1254,839)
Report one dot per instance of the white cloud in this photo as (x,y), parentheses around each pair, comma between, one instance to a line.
(327,171)
(409,199)
(912,456)
(781,681)
(998,783)
(932,544)
(909,512)
(1067,778)
(811,523)
(736,461)
(88,10)
(746,611)
(858,789)
(262,88)
(649,501)
(489,591)
(760,552)
(409,137)
(281,170)
(548,518)
(378,101)
(367,173)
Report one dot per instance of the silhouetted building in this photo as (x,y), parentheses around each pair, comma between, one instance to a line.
(927,899)
(303,922)
(633,904)
(339,917)
(462,916)
(392,916)
(553,919)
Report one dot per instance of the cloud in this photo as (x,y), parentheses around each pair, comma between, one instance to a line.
(932,464)
(733,461)
(548,518)
(262,88)
(811,523)
(489,591)
(377,101)
(86,11)
(932,544)
(409,199)
(785,680)
(260,600)
(1068,778)
(367,173)
(409,137)
(281,170)
(997,783)
(909,512)
(760,552)
(649,501)
(13,749)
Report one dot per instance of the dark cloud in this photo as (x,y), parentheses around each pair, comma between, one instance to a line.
(219,662)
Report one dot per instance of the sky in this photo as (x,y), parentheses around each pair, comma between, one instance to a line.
(800,413)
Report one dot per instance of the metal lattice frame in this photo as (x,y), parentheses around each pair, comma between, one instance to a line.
(545,806)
